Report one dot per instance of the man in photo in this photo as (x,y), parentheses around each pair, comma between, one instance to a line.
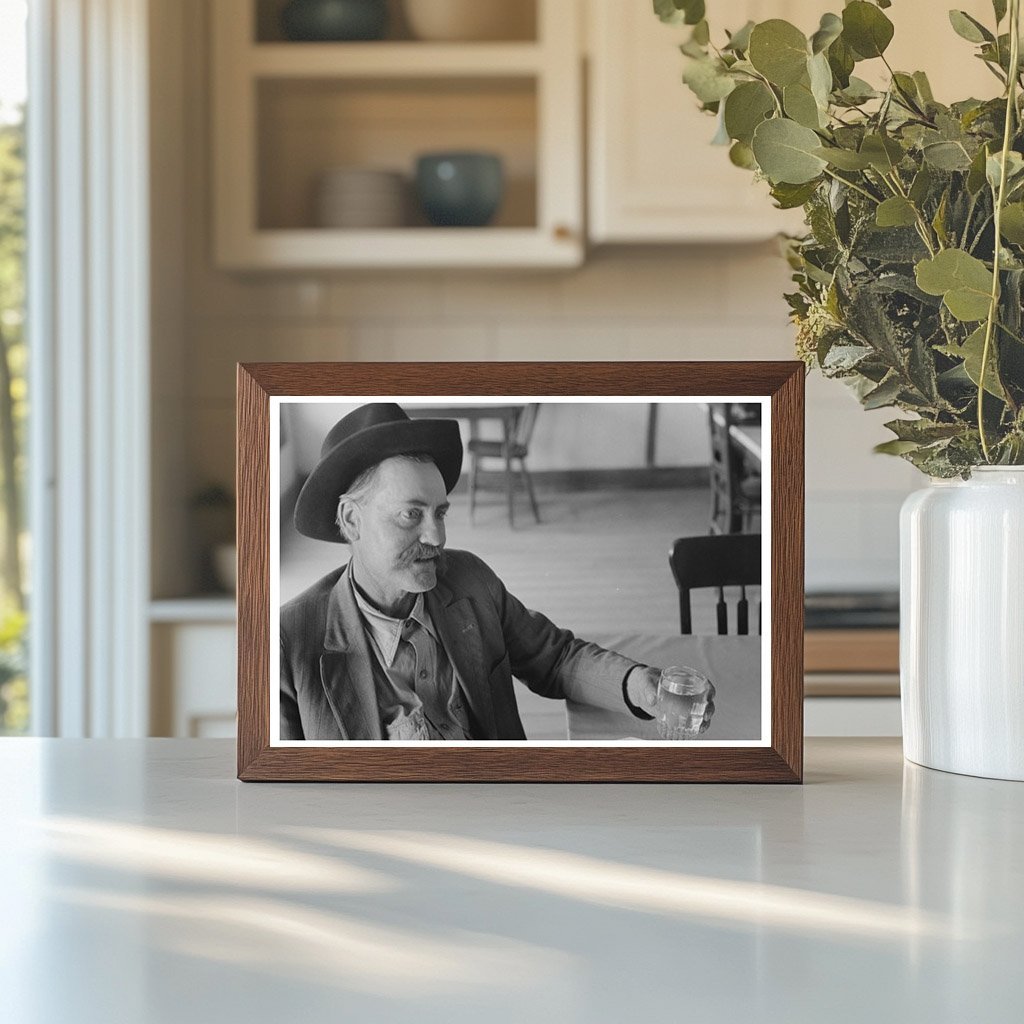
(408,640)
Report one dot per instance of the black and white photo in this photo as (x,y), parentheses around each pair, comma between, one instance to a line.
(501,570)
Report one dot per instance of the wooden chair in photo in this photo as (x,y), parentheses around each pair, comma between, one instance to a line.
(517,449)
(735,491)
(717,562)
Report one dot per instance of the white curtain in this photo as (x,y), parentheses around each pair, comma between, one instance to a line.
(88,318)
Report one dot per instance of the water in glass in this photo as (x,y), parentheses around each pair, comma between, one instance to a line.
(682,702)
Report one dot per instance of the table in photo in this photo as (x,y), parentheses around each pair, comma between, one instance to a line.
(507,415)
(732,663)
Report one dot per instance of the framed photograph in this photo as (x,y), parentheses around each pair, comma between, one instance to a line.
(520,572)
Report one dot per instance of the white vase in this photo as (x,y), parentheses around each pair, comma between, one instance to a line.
(962,624)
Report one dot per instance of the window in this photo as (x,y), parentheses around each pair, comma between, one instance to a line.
(14,548)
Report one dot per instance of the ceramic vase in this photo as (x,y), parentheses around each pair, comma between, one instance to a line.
(962,624)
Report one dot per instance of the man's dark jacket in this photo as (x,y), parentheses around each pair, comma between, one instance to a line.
(327,683)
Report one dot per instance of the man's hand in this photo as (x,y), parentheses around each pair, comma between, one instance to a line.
(642,688)
(642,691)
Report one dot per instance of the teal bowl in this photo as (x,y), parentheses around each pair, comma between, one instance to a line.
(461,190)
(332,21)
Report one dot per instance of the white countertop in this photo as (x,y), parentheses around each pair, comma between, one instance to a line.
(143,884)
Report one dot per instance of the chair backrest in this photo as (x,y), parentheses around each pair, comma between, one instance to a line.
(524,424)
(726,470)
(732,560)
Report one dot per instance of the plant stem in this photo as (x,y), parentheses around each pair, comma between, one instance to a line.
(922,225)
(1012,334)
(993,309)
(855,187)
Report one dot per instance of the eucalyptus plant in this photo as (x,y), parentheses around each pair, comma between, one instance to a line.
(910,278)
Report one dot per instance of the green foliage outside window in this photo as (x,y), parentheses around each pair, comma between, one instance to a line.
(13,415)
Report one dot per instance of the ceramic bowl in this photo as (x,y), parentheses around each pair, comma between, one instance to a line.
(460,189)
(334,20)
(358,197)
(469,20)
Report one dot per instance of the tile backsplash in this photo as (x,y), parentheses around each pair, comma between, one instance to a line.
(719,302)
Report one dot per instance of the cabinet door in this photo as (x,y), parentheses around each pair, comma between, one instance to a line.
(654,175)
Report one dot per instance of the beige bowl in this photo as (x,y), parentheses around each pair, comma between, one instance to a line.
(471,20)
(357,197)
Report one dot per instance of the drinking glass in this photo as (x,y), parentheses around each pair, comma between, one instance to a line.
(683,695)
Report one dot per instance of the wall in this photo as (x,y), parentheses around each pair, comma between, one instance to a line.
(609,435)
(714,302)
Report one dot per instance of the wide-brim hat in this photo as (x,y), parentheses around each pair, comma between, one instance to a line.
(366,436)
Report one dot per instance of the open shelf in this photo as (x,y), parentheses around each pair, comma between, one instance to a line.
(519,19)
(393,60)
(306,128)
(288,113)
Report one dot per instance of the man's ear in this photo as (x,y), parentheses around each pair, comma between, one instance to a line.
(350,519)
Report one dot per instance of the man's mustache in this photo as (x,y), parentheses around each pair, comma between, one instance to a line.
(421,551)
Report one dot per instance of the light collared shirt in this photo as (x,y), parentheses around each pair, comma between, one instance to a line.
(417,692)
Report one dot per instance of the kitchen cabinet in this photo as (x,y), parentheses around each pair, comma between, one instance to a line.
(193,673)
(287,113)
(653,175)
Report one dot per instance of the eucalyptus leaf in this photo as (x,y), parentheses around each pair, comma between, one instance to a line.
(895,212)
(883,153)
(939,220)
(994,168)
(844,159)
(788,196)
(745,108)
(820,76)
(829,30)
(676,12)
(947,156)
(779,51)
(708,81)
(969,28)
(885,394)
(907,88)
(894,447)
(1012,223)
(921,185)
(800,105)
(701,33)
(858,91)
(924,88)
(741,155)
(923,431)
(785,152)
(972,352)
(963,281)
(866,29)
(841,60)
(739,41)
(976,174)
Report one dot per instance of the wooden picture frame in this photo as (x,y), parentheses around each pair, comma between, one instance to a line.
(776,757)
